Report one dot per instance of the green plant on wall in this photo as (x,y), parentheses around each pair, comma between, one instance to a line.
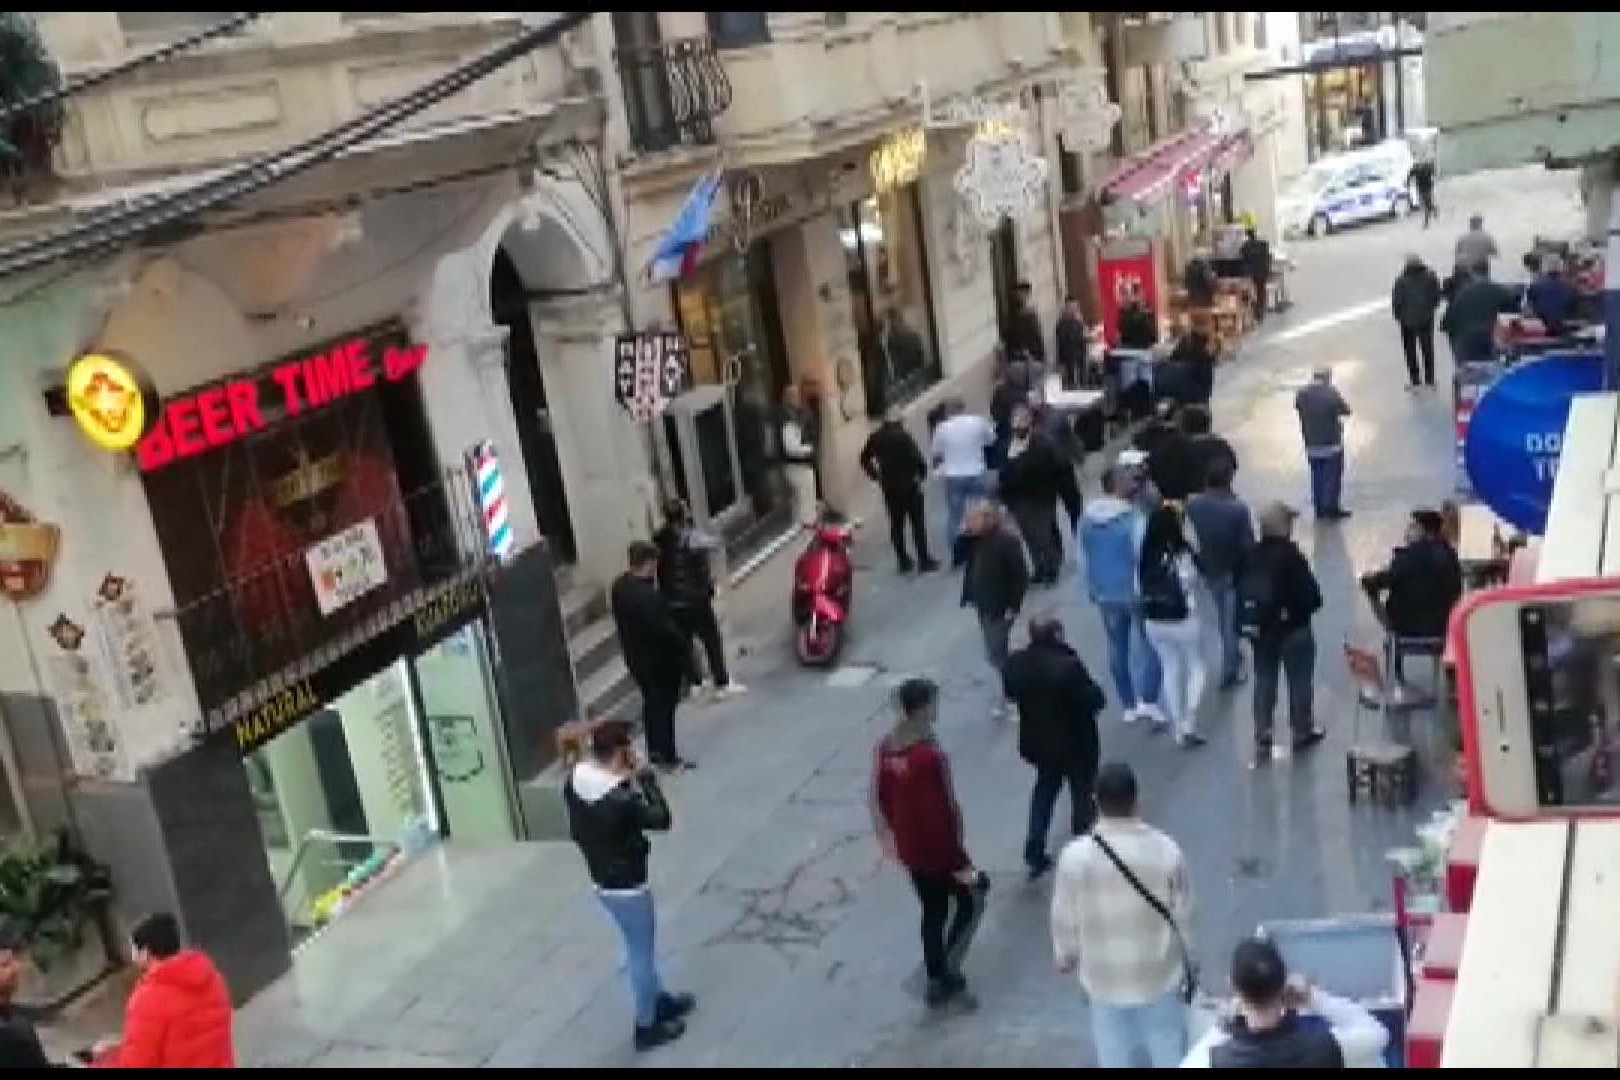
(50,891)
(29,137)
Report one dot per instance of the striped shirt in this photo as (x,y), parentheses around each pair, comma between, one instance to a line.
(1127,953)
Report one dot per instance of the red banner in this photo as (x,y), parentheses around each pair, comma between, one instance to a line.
(1124,266)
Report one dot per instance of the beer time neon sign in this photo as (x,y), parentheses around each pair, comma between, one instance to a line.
(208,419)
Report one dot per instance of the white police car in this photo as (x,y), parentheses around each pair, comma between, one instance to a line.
(1345,189)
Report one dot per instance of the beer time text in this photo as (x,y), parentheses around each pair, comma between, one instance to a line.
(208,419)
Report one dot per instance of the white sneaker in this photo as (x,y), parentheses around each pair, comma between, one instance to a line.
(1130,714)
(1281,751)
(730,690)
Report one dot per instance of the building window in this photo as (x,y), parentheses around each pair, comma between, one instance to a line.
(1071,168)
(891,296)
(739,29)
(1260,29)
(836,20)
(1223,32)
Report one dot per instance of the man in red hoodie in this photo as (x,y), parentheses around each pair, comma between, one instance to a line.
(920,826)
(179,1015)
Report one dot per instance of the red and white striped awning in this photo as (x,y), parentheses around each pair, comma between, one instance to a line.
(1148,176)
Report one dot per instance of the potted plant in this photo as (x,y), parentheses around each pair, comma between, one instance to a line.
(53,893)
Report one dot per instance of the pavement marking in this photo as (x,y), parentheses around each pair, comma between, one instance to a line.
(1327,322)
(852,675)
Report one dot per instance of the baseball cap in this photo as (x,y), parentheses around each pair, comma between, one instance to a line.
(1276,518)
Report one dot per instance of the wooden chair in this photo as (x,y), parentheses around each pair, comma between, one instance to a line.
(1379,767)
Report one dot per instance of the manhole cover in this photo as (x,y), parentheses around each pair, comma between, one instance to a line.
(852,675)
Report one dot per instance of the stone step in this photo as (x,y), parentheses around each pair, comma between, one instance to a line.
(592,648)
(582,605)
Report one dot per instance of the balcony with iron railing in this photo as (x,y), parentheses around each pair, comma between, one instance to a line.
(674,91)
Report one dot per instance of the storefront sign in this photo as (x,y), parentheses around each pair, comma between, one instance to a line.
(1002,177)
(1517,433)
(649,371)
(346,565)
(129,640)
(111,399)
(439,613)
(898,160)
(27,551)
(87,712)
(195,423)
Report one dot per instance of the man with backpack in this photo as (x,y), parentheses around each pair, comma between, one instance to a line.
(1277,595)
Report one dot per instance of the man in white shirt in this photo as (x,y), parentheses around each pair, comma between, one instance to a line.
(799,455)
(958,449)
(1130,951)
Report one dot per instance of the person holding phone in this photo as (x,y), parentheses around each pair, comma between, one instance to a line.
(613,801)
(919,825)
(1278,1022)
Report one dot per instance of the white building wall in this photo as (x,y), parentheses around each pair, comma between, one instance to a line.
(223,304)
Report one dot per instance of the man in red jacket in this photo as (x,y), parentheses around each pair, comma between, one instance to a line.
(920,826)
(179,1015)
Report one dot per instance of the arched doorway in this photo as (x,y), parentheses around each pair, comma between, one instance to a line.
(509,307)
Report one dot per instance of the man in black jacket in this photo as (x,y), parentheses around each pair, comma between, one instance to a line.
(1138,325)
(612,805)
(1071,344)
(1203,450)
(1413,595)
(1024,338)
(655,648)
(1058,703)
(994,581)
(1277,595)
(896,465)
(19,1042)
(1031,481)
(1256,256)
(687,582)
(1413,301)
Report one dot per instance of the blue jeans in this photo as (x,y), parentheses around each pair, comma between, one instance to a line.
(1137,684)
(1223,593)
(637,922)
(958,490)
(1327,478)
(1157,1029)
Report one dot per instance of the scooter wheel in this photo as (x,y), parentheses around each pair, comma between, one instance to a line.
(819,648)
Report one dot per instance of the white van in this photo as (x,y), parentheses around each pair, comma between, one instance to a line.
(1344,189)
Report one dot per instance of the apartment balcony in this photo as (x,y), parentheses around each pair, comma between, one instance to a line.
(674,92)
(825,81)
(282,78)
(1552,93)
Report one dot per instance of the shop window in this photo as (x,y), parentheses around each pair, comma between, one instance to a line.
(739,29)
(1259,28)
(891,296)
(235,525)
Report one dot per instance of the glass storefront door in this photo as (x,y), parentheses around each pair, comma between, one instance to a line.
(409,755)
(891,296)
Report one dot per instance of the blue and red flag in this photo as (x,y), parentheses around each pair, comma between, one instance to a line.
(677,250)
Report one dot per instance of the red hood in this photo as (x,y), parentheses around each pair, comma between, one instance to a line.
(187,972)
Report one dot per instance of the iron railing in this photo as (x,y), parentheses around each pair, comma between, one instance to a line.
(673,92)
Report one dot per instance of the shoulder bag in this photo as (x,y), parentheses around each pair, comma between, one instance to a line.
(1189,969)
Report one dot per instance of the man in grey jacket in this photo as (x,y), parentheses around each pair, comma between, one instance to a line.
(1322,410)
(1225,532)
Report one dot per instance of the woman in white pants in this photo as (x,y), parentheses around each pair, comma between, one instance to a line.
(1167,580)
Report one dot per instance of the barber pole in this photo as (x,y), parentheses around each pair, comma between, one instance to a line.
(490,488)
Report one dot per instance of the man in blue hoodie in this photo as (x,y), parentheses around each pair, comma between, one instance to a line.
(1110,543)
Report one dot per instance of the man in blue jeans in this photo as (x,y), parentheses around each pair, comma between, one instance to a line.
(958,450)
(1110,542)
(1225,533)
(1121,910)
(1322,410)
(612,803)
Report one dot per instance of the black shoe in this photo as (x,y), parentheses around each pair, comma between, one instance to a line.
(928,566)
(944,991)
(659,1033)
(1262,756)
(906,567)
(675,1006)
(1309,739)
(1038,869)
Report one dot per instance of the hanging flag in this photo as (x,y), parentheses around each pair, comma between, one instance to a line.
(678,248)
(490,488)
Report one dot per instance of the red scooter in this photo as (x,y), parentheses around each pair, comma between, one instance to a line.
(823,589)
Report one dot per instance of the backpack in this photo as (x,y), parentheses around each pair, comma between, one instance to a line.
(1258,609)
(1163,598)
